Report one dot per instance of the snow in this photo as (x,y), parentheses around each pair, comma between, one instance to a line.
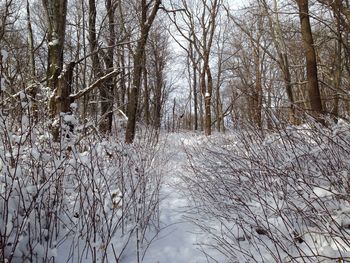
(70,118)
(268,211)
(321,192)
(221,198)
(4,55)
(54,42)
(74,106)
(179,238)
(2,84)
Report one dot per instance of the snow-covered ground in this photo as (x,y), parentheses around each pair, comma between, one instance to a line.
(238,198)
(179,240)
(282,198)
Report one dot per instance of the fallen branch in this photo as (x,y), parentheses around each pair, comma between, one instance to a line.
(81,93)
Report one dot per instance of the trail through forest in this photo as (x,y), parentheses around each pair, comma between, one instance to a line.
(179,239)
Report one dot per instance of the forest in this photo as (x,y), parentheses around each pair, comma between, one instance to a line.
(174,131)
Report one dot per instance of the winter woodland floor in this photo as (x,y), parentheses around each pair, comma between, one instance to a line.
(238,198)
(179,239)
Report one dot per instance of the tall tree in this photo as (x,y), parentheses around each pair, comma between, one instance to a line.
(158,57)
(208,27)
(194,64)
(252,50)
(5,14)
(148,10)
(282,55)
(55,16)
(311,60)
(201,23)
(107,90)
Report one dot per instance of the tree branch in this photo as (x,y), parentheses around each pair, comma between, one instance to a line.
(81,93)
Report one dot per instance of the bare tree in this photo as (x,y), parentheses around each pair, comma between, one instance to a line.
(107,90)
(282,55)
(55,15)
(159,58)
(5,12)
(148,10)
(201,25)
(311,60)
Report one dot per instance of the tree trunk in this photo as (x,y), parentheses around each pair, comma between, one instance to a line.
(133,95)
(174,116)
(195,98)
(31,52)
(218,102)
(55,14)
(337,66)
(207,103)
(93,44)
(195,91)
(311,63)
(219,112)
(146,93)
(122,85)
(62,98)
(289,88)
(283,60)
(107,89)
(158,102)
(146,23)
(30,43)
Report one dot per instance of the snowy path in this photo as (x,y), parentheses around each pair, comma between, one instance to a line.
(176,243)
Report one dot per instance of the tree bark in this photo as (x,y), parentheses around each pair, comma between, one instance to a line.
(195,95)
(159,57)
(30,43)
(31,52)
(193,59)
(107,89)
(93,46)
(96,67)
(337,72)
(207,102)
(206,77)
(257,93)
(311,62)
(146,23)
(55,15)
(146,94)
(284,64)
